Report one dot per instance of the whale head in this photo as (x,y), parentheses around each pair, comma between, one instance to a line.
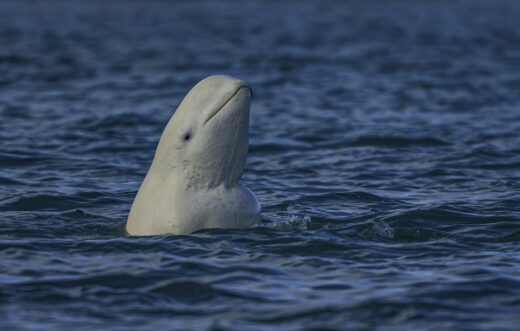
(205,142)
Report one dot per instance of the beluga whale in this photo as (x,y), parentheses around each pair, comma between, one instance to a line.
(194,180)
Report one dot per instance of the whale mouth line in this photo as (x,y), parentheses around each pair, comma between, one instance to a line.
(226,102)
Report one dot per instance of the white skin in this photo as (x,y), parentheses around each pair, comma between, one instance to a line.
(194,180)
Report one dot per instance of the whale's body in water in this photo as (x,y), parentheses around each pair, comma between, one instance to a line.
(194,180)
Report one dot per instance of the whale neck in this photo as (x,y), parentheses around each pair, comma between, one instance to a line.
(199,178)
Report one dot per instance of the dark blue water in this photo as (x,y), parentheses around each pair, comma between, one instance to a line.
(385,151)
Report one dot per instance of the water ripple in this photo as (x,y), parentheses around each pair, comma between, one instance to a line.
(384,151)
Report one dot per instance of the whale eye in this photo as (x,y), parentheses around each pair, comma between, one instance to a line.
(187,136)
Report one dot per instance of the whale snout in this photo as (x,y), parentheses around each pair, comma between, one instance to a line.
(244,85)
(239,89)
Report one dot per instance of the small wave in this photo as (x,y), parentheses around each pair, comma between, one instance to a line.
(16,59)
(58,202)
(513,237)
(282,146)
(396,142)
(126,119)
(354,196)
(10,181)
(20,159)
(445,222)
(499,165)
(184,290)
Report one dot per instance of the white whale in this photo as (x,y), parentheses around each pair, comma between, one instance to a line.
(194,180)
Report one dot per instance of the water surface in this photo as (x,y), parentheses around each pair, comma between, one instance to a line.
(384,149)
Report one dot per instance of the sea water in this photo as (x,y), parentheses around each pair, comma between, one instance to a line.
(384,150)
